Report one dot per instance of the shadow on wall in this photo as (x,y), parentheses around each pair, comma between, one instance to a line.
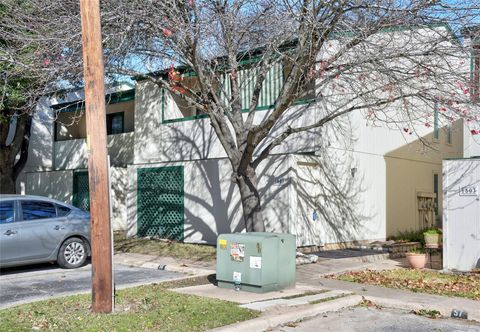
(462,171)
(415,168)
(55,184)
(212,203)
(212,200)
(329,191)
(289,195)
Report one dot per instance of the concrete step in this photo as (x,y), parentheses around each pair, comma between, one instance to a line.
(296,301)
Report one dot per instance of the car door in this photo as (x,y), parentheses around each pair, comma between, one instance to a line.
(10,250)
(42,231)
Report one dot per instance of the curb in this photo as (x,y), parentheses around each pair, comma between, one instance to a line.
(397,304)
(268,321)
(170,267)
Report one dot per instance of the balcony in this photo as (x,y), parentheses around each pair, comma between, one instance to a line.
(72,154)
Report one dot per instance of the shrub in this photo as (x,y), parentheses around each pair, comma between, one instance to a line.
(410,236)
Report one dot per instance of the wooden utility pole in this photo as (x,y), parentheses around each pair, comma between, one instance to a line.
(93,73)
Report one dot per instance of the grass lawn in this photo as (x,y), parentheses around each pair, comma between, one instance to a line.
(144,308)
(425,281)
(194,252)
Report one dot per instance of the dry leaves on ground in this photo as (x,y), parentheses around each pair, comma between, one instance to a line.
(462,285)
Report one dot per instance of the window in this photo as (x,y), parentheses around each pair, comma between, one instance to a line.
(33,210)
(115,123)
(62,211)
(6,212)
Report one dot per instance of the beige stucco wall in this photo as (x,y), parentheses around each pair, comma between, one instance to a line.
(410,169)
(212,201)
(156,141)
(334,204)
(55,184)
(59,185)
(72,154)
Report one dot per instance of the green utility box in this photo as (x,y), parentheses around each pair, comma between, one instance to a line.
(256,262)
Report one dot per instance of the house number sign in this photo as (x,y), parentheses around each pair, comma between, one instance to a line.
(468,191)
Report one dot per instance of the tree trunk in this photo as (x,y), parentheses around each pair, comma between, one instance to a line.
(13,157)
(7,182)
(252,212)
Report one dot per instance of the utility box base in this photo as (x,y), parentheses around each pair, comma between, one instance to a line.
(256,262)
(252,288)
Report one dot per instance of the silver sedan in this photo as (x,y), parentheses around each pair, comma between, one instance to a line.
(36,229)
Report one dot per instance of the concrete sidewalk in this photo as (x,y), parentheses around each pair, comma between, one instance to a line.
(197,268)
(310,277)
(404,299)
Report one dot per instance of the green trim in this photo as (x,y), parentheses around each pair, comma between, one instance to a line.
(188,118)
(113,98)
(305,101)
(245,110)
(401,27)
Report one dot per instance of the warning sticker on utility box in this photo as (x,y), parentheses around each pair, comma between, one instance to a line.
(237,251)
(255,262)
(222,243)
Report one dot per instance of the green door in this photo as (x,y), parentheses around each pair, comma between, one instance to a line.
(160,196)
(81,193)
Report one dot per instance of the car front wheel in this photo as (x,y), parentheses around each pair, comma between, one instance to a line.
(72,253)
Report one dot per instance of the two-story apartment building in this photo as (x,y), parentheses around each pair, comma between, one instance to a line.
(170,176)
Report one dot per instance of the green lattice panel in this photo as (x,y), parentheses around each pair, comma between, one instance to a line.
(81,192)
(160,197)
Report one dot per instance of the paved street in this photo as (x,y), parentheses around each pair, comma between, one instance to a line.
(24,284)
(385,320)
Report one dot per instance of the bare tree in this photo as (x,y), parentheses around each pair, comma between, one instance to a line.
(390,61)
(32,63)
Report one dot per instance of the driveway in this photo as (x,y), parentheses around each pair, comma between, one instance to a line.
(31,283)
(374,320)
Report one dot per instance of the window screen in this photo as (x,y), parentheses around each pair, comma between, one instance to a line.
(33,210)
